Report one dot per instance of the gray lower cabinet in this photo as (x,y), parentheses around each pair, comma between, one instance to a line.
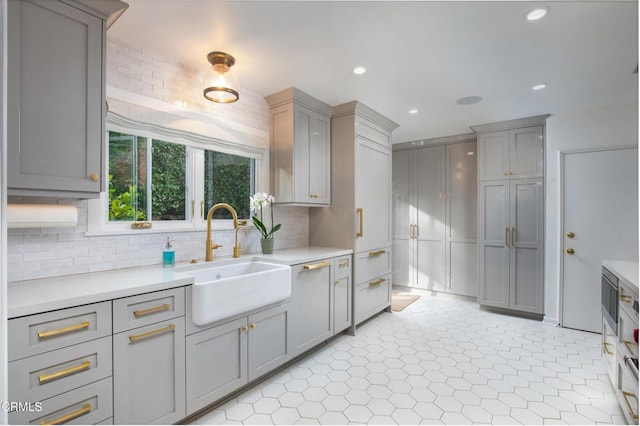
(149,373)
(312,313)
(149,358)
(342,295)
(226,357)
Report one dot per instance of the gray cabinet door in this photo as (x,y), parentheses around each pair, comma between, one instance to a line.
(312,312)
(149,374)
(526,260)
(342,304)
(493,243)
(216,363)
(54,97)
(268,340)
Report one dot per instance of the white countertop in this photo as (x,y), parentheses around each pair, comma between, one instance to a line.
(625,271)
(48,294)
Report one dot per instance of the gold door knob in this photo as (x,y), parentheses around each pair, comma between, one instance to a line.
(570,251)
(95,177)
(253,325)
(245,328)
(570,235)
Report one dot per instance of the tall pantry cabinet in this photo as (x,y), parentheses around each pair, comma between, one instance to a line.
(434,216)
(359,217)
(510,214)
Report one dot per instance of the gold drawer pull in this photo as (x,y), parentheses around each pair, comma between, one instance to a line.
(44,378)
(629,346)
(343,264)
(64,330)
(376,282)
(360,212)
(606,348)
(629,406)
(153,310)
(323,264)
(626,299)
(86,408)
(377,253)
(135,337)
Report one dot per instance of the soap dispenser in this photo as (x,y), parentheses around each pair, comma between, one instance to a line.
(168,255)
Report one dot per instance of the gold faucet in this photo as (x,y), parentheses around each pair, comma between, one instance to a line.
(209,245)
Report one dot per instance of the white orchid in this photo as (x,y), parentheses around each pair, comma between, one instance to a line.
(257,203)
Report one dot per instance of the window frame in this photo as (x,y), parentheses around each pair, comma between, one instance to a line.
(98,221)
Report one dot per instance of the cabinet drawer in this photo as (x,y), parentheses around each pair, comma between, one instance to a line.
(371,297)
(626,325)
(609,350)
(43,376)
(343,266)
(86,405)
(371,264)
(627,299)
(627,392)
(145,309)
(45,332)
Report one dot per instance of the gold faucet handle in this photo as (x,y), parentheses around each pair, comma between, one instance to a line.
(215,246)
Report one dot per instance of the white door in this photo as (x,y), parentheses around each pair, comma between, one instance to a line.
(600,209)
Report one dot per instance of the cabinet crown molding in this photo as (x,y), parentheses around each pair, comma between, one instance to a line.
(510,124)
(445,140)
(358,108)
(299,97)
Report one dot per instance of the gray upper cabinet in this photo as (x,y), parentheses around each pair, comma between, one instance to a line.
(300,149)
(511,154)
(55,98)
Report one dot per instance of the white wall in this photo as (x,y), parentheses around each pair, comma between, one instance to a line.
(3,219)
(602,127)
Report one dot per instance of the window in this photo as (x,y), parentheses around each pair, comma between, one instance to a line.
(171,184)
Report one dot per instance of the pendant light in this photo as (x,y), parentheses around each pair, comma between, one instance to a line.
(223,87)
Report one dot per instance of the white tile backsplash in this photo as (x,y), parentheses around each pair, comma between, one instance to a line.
(50,252)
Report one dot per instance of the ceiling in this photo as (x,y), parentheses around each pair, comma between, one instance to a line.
(422,55)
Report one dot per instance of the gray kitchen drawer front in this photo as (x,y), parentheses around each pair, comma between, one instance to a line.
(85,405)
(371,297)
(343,266)
(43,376)
(372,263)
(149,308)
(36,334)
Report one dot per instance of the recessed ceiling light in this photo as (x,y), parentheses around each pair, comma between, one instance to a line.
(359,70)
(539,86)
(413,111)
(468,100)
(536,14)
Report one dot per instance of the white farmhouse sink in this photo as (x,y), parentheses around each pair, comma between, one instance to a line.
(223,291)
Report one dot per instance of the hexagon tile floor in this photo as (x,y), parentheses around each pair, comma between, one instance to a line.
(440,361)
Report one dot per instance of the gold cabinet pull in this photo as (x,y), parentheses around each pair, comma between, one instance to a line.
(360,212)
(244,328)
(513,237)
(44,378)
(376,253)
(319,265)
(253,325)
(135,337)
(570,235)
(606,348)
(629,406)
(570,250)
(95,177)
(343,264)
(629,345)
(626,299)
(64,330)
(314,195)
(143,312)
(506,236)
(376,282)
(86,408)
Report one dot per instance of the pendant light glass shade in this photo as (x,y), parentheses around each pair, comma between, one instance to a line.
(223,84)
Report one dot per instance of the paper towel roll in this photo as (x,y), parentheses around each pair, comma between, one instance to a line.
(41,215)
